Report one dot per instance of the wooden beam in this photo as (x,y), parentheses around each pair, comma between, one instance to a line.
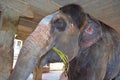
(7,33)
(22,36)
(6,54)
(44,7)
(28,22)
(25,27)
(1,17)
(18,6)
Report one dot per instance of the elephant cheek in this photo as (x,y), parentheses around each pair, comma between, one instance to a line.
(35,46)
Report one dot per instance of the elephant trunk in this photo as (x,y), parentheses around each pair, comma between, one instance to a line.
(34,47)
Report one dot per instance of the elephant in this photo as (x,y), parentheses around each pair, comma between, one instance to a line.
(117,77)
(93,45)
(99,54)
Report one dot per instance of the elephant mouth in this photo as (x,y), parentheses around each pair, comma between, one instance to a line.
(63,57)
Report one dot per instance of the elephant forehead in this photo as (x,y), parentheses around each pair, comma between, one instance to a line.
(47,19)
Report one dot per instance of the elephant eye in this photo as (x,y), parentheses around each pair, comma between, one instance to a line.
(59,24)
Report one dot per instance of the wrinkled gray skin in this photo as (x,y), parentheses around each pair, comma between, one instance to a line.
(41,40)
(118,77)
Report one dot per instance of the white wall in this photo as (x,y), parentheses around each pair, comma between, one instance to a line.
(17,46)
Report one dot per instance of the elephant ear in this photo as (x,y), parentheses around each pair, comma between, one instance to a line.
(90,34)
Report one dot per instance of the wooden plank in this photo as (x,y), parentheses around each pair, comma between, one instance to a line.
(43,7)
(37,73)
(25,27)
(10,20)
(1,17)
(22,36)
(6,54)
(27,22)
(18,6)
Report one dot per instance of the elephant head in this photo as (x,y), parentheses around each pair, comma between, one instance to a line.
(60,29)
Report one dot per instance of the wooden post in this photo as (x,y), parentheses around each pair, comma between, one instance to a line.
(7,32)
(0,19)
(6,54)
(37,73)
